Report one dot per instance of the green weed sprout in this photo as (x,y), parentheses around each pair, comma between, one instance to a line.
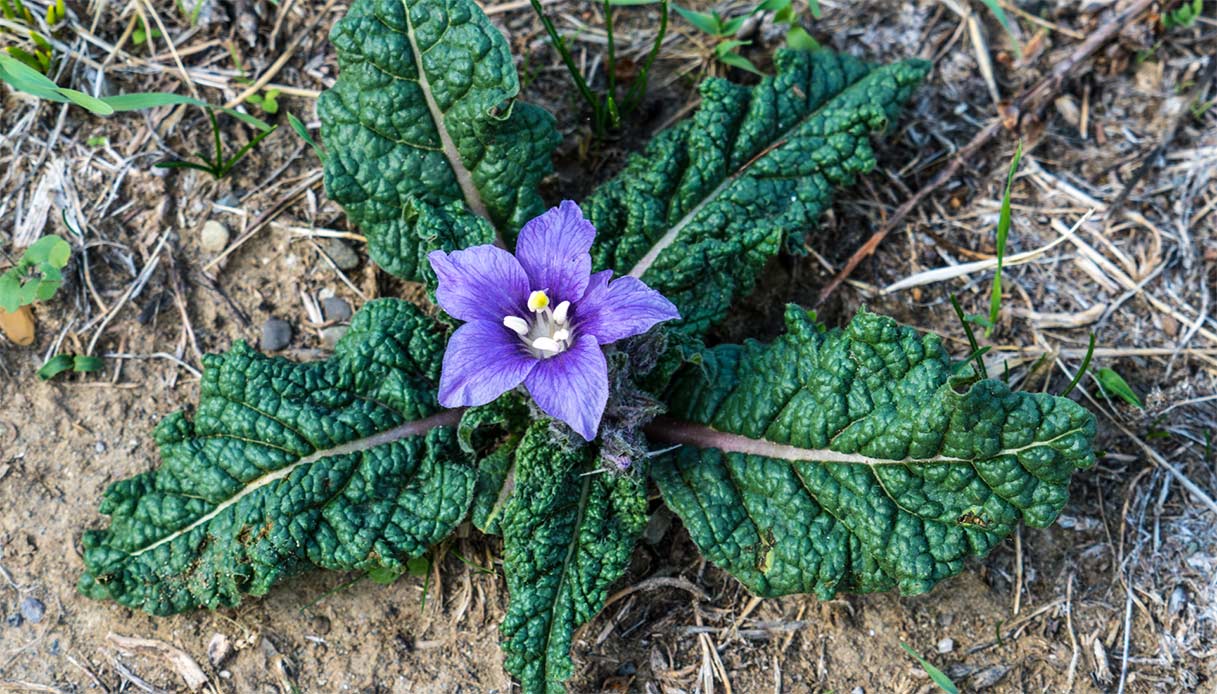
(608,110)
(1184,15)
(726,48)
(40,56)
(37,276)
(218,166)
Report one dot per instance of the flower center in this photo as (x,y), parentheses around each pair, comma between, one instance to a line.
(548,332)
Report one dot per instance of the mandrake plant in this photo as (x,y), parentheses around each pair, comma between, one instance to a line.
(569,367)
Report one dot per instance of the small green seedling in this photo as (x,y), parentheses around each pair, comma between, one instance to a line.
(219,166)
(726,48)
(608,107)
(78,363)
(142,33)
(40,55)
(37,276)
(938,676)
(1184,15)
(1002,19)
(302,131)
(267,101)
(1003,231)
(1113,383)
(784,13)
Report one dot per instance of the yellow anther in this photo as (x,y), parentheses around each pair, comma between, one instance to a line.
(538,300)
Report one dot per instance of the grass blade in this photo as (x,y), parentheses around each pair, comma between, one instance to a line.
(1003,232)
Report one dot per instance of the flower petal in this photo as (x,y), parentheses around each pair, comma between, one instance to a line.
(621,308)
(480,283)
(483,360)
(573,386)
(553,248)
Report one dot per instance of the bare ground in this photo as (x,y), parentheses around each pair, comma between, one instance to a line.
(1120,594)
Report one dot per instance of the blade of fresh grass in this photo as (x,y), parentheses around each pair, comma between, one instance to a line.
(1003,232)
(938,676)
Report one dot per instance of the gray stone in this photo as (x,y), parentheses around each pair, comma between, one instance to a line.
(343,255)
(336,309)
(14,620)
(946,645)
(214,237)
(276,334)
(33,610)
(331,335)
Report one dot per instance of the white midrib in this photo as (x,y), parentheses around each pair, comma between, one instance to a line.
(463,177)
(667,430)
(443,418)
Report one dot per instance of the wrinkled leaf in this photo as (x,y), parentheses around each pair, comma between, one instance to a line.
(567,537)
(430,158)
(713,198)
(342,464)
(867,469)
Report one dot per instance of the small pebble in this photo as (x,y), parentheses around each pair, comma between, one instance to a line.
(946,645)
(228,200)
(14,620)
(276,334)
(343,256)
(219,649)
(331,335)
(857,690)
(321,624)
(214,236)
(100,446)
(335,309)
(1178,600)
(33,610)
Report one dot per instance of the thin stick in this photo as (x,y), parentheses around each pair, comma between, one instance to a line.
(1028,101)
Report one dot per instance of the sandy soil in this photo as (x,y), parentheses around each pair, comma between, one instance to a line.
(1120,593)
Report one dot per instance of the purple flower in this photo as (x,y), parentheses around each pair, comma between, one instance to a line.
(539,317)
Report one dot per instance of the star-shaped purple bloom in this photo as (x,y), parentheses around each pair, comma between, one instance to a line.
(539,317)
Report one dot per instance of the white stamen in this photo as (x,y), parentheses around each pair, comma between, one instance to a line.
(517,325)
(562,335)
(546,344)
(560,312)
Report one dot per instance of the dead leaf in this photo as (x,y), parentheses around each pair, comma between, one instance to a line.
(175,657)
(19,326)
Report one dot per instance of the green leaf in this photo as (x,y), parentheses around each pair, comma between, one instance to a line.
(938,676)
(702,21)
(1003,232)
(405,143)
(384,575)
(738,61)
(49,249)
(85,364)
(24,78)
(798,39)
(567,537)
(1115,384)
(713,198)
(55,366)
(10,291)
(345,464)
(851,460)
(996,8)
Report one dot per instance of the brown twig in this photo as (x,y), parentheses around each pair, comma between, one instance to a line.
(1029,101)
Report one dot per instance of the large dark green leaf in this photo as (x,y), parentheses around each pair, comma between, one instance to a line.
(568,532)
(343,464)
(427,148)
(712,199)
(853,460)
